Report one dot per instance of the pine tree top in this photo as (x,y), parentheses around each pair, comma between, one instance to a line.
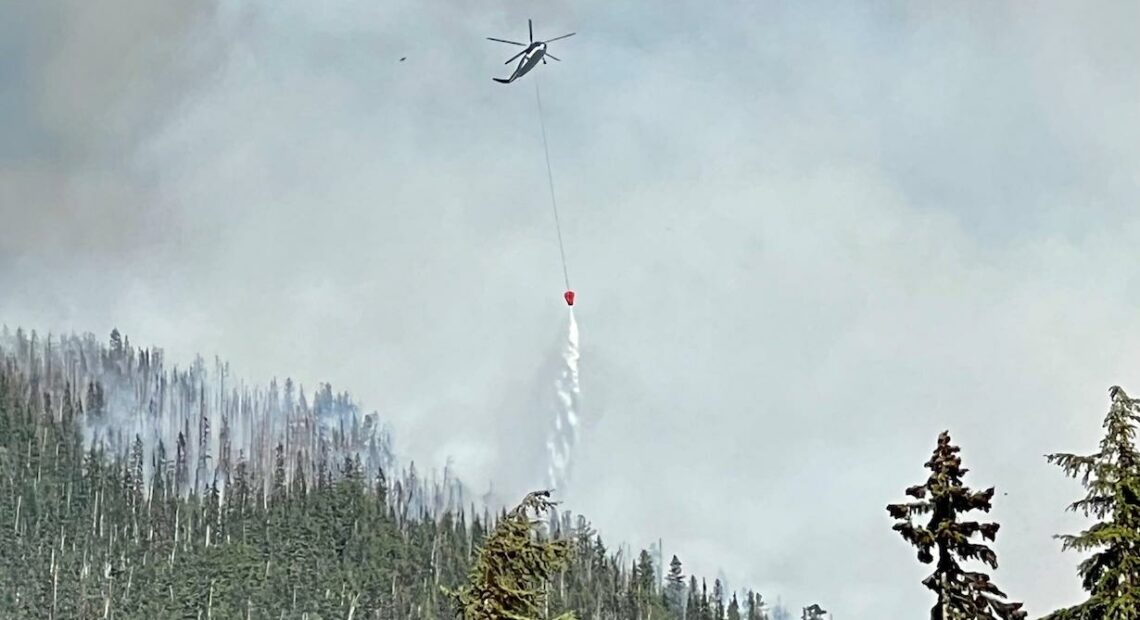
(945,497)
(1111,477)
(514,563)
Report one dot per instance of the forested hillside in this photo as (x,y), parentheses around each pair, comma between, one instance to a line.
(130,491)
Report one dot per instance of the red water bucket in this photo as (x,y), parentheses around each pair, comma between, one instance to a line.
(569,295)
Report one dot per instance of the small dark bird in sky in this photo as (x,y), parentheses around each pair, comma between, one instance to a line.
(403,59)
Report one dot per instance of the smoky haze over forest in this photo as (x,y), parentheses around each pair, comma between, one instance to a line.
(806,238)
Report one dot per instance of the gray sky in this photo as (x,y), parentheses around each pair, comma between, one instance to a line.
(806,237)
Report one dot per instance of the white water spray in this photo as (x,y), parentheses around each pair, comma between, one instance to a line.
(564,435)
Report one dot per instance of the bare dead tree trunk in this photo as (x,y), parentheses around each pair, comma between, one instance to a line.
(943,599)
(352,606)
(107,602)
(130,578)
(174,547)
(54,585)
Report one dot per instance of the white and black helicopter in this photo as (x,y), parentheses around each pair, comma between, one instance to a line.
(533,53)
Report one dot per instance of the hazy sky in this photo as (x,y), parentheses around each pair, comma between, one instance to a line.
(806,237)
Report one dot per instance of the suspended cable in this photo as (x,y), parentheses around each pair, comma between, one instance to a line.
(550,178)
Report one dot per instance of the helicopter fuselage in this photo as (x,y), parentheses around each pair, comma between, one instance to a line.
(530,59)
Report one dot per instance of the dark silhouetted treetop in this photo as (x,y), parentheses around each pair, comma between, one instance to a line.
(961,594)
(814,612)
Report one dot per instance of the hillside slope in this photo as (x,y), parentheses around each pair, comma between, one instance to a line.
(118,499)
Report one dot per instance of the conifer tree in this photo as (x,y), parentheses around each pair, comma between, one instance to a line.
(962,594)
(645,574)
(705,606)
(733,609)
(1111,476)
(116,344)
(675,587)
(754,607)
(644,581)
(509,576)
(718,599)
(814,612)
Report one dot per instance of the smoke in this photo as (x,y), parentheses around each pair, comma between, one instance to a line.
(199,424)
(564,433)
(85,87)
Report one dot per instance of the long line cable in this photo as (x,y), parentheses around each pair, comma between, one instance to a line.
(550,178)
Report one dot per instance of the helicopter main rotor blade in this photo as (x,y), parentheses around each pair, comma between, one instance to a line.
(512,58)
(551,56)
(506,41)
(530,26)
(561,37)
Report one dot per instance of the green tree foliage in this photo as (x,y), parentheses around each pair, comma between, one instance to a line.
(734,609)
(962,594)
(1111,476)
(228,518)
(754,607)
(509,577)
(718,599)
(675,587)
(693,600)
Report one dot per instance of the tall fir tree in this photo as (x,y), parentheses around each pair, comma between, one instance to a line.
(733,612)
(1111,476)
(116,343)
(644,582)
(693,601)
(962,594)
(675,587)
(646,574)
(754,607)
(718,599)
(510,574)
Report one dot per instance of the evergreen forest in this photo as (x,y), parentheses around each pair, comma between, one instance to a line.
(130,490)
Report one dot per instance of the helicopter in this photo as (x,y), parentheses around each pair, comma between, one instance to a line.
(533,53)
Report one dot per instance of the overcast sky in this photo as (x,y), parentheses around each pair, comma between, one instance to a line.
(806,237)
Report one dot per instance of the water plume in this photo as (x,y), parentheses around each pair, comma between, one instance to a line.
(563,435)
